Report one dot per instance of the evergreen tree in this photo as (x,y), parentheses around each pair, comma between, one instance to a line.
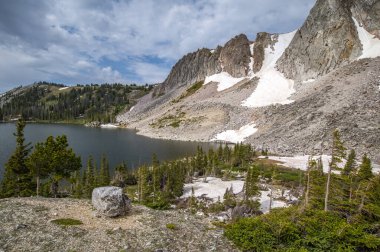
(365,169)
(337,156)
(371,201)
(39,163)
(351,164)
(156,176)
(143,184)
(62,160)
(17,178)
(104,173)
(229,198)
(251,188)
(310,166)
(90,177)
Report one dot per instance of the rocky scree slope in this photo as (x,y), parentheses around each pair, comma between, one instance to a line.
(290,90)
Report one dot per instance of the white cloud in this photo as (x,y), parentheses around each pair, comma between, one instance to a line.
(67,40)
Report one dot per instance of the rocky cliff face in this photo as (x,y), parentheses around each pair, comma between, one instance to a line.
(191,68)
(368,13)
(327,40)
(233,58)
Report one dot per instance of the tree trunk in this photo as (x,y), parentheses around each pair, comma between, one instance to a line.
(38,186)
(351,189)
(363,199)
(270,201)
(54,188)
(327,189)
(307,190)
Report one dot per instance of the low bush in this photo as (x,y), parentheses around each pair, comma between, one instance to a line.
(67,222)
(293,230)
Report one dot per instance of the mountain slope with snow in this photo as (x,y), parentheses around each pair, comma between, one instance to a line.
(285,92)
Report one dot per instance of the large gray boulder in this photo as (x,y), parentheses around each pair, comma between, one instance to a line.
(110,201)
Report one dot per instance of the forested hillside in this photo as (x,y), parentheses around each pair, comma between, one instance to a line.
(45,101)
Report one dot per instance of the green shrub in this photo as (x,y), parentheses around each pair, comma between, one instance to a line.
(190,91)
(159,205)
(67,222)
(293,230)
(171,226)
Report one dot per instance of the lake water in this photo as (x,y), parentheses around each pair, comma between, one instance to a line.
(118,144)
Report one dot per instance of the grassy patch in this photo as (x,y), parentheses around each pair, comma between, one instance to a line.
(169,120)
(159,205)
(67,222)
(40,209)
(219,224)
(190,91)
(171,226)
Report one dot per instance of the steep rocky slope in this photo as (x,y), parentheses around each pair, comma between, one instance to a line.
(286,92)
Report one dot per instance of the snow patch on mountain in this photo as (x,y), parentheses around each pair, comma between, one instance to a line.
(273,86)
(109,126)
(63,88)
(224,79)
(371,44)
(236,136)
(308,81)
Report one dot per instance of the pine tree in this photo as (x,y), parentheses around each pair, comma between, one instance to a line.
(39,164)
(119,177)
(312,164)
(337,156)
(193,203)
(371,201)
(156,178)
(78,185)
(365,169)
(90,177)
(364,178)
(62,160)
(143,184)
(351,164)
(104,172)
(251,188)
(17,178)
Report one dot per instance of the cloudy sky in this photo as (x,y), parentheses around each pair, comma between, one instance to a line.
(97,41)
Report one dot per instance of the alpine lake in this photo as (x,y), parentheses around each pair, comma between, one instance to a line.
(118,144)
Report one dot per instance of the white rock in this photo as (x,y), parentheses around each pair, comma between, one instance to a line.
(110,201)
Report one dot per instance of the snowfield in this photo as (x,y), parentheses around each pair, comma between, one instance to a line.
(236,136)
(371,44)
(265,201)
(300,162)
(63,88)
(224,79)
(215,188)
(109,126)
(273,86)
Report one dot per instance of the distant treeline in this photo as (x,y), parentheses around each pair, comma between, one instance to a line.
(44,101)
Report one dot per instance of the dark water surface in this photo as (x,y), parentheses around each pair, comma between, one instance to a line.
(118,144)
